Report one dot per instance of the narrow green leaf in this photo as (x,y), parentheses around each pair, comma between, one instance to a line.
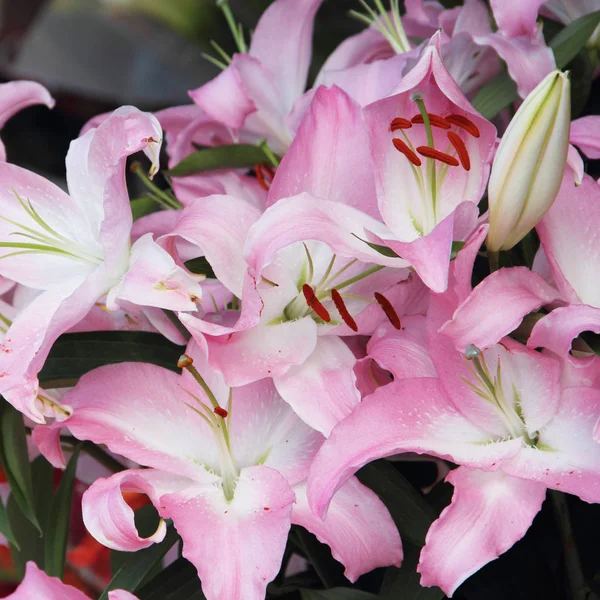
(456,248)
(336,594)
(496,95)
(408,508)
(384,250)
(15,461)
(568,42)
(405,582)
(145,205)
(179,581)
(5,527)
(55,547)
(133,572)
(74,354)
(234,156)
(200,266)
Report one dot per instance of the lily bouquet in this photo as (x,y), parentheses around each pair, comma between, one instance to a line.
(393,261)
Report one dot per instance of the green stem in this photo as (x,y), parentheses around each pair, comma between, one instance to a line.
(162,197)
(233,26)
(270,154)
(358,277)
(430,161)
(99,455)
(494,260)
(575,574)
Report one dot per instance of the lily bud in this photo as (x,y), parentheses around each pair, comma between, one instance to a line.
(529,163)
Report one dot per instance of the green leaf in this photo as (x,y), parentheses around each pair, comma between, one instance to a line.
(179,581)
(234,156)
(411,513)
(330,571)
(74,354)
(405,582)
(336,594)
(29,544)
(456,248)
(57,531)
(133,572)
(140,207)
(573,38)
(384,250)
(5,527)
(15,461)
(496,95)
(200,266)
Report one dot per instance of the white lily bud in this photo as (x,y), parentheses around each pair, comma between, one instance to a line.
(530,162)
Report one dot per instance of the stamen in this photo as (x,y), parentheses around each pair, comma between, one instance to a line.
(402,147)
(341,307)
(461,150)
(221,412)
(435,120)
(184,361)
(388,309)
(437,155)
(260,170)
(314,303)
(464,123)
(400,123)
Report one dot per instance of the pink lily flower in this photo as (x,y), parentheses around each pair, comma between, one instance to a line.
(76,249)
(227,465)
(17,95)
(256,94)
(38,585)
(499,413)
(520,43)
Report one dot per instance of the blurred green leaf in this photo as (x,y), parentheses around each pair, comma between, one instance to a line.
(330,572)
(234,156)
(568,42)
(411,513)
(200,266)
(404,582)
(336,594)
(15,461)
(57,530)
(145,205)
(179,581)
(5,528)
(496,95)
(74,354)
(135,570)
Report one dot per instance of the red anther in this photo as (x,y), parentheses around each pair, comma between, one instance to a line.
(261,178)
(400,123)
(402,147)
(461,150)
(220,412)
(388,309)
(465,123)
(314,303)
(437,155)
(435,120)
(341,307)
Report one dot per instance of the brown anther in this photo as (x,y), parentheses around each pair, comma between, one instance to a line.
(400,123)
(464,123)
(220,412)
(134,166)
(435,120)
(314,303)
(184,361)
(388,309)
(437,155)
(341,308)
(402,147)
(461,150)
(261,178)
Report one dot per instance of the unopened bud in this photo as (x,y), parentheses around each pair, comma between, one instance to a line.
(529,163)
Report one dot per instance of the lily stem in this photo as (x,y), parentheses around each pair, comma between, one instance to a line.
(494,260)
(575,574)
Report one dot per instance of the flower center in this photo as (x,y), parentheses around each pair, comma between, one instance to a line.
(219,420)
(431,178)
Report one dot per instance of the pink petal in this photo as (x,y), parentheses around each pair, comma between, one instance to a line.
(515,17)
(570,241)
(218,225)
(488,514)
(141,411)
(236,546)
(411,415)
(225,98)
(329,156)
(585,134)
(404,353)
(121,595)
(567,457)
(286,51)
(47,440)
(154,279)
(109,518)
(513,293)
(322,390)
(37,584)
(348,529)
